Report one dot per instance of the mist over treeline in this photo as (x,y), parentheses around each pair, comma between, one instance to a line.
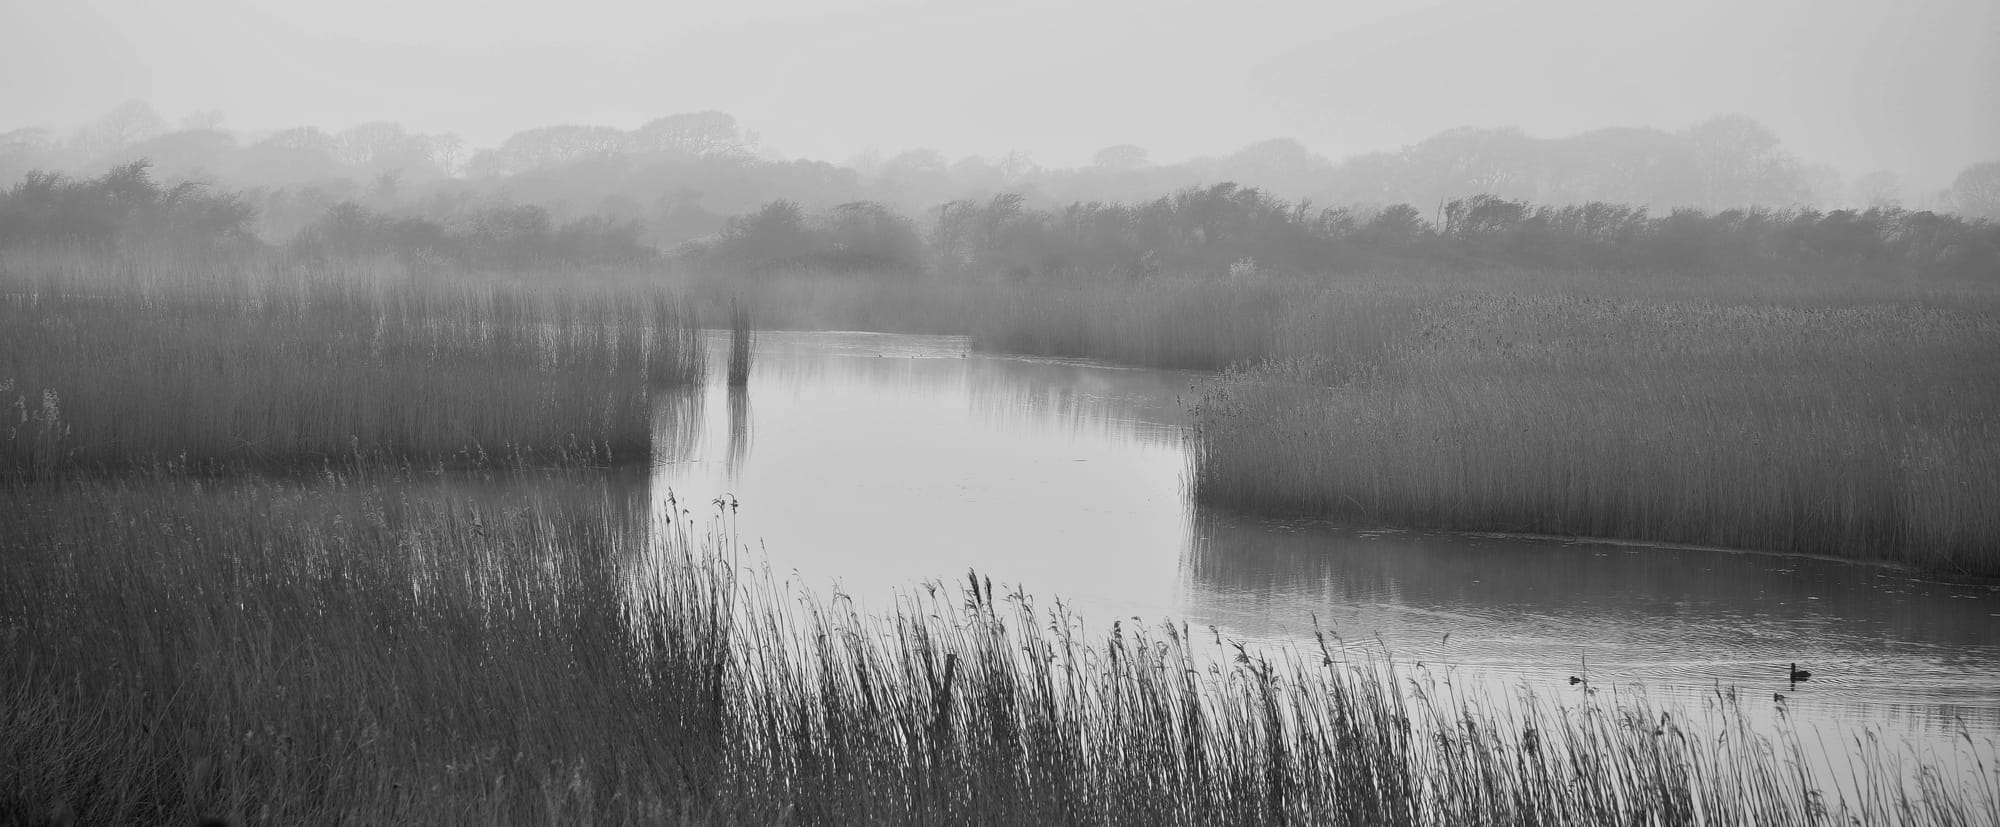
(693,189)
(1220,230)
(679,177)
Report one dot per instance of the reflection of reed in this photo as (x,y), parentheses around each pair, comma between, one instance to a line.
(1231,559)
(677,417)
(1142,405)
(739,427)
(741,340)
(1499,575)
(1667,616)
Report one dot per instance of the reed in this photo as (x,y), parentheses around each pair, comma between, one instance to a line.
(109,366)
(369,649)
(1824,417)
(824,300)
(1860,430)
(1195,322)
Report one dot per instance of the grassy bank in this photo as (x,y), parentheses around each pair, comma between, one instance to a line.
(108,365)
(1814,424)
(377,651)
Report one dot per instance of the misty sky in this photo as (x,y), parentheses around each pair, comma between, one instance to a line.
(1913,87)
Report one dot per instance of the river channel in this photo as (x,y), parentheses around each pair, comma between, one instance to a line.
(871,463)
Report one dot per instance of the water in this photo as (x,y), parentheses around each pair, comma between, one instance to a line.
(871,463)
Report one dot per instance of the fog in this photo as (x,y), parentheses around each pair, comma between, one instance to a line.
(511,413)
(1912,88)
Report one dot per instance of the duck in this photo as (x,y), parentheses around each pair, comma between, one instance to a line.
(1574,680)
(1800,674)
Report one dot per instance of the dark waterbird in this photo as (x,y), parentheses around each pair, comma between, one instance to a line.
(1574,680)
(1800,674)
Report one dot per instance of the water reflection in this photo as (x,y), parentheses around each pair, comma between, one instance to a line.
(739,428)
(1142,405)
(879,463)
(1679,620)
(884,461)
(677,425)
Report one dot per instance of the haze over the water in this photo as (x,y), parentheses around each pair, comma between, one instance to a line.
(1862,84)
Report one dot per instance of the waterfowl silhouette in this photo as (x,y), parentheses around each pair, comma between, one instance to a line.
(1574,680)
(1800,674)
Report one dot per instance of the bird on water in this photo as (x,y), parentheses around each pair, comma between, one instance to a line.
(1800,674)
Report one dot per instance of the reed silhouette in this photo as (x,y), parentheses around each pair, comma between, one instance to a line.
(742,342)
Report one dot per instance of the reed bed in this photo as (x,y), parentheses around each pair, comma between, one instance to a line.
(114,367)
(1175,322)
(1853,419)
(830,300)
(1868,431)
(372,650)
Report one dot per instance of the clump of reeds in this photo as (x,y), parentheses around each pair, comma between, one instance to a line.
(742,341)
(379,651)
(312,368)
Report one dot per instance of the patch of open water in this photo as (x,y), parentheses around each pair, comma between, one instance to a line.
(875,462)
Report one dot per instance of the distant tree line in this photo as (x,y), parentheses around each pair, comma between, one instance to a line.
(1231,229)
(1219,229)
(853,237)
(126,208)
(496,237)
(681,177)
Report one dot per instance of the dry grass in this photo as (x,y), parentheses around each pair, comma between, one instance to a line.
(109,365)
(364,648)
(370,650)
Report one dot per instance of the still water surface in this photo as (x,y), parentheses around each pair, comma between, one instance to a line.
(872,463)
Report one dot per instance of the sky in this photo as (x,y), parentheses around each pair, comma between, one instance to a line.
(1912,87)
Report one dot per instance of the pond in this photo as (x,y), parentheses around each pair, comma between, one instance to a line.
(871,463)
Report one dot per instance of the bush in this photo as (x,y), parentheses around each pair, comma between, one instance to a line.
(121,206)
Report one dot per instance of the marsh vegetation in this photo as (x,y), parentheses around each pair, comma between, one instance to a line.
(277,365)
(369,647)
(331,529)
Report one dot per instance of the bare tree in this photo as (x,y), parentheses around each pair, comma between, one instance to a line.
(1976,191)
